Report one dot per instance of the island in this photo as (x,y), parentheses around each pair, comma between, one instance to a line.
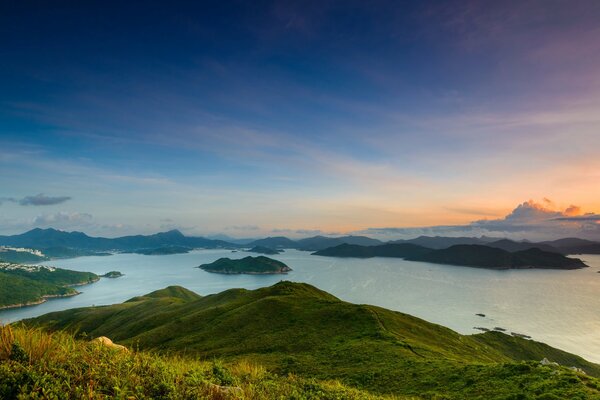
(164,250)
(112,274)
(24,285)
(466,255)
(264,250)
(493,258)
(260,265)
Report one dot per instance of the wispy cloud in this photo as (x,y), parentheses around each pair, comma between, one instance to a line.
(43,200)
(37,200)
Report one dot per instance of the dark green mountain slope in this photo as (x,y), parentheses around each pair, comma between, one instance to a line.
(494,258)
(399,250)
(297,328)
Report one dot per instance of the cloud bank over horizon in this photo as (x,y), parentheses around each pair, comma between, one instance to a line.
(528,221)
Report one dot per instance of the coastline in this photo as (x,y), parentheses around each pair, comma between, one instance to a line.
(47,297)
(44,299)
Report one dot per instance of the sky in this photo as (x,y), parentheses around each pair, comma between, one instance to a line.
(249,119)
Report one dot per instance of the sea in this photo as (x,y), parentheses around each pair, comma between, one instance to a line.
(560,308)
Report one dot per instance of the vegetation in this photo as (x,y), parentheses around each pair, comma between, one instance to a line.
(112,274)
(37,365)
(19,257)
(464,255)
(296,329)
(400,250)
(164,250)
(490,257)
(23,285)
(246,265)
(264,250)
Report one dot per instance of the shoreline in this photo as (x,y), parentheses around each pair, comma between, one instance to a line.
(44,299)
(47,297)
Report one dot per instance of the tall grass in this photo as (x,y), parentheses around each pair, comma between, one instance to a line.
(39,365)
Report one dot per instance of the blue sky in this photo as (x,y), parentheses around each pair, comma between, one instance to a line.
(256,118)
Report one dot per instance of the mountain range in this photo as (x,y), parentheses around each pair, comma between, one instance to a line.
(56,243)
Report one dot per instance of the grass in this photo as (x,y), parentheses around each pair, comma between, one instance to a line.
(293,328)
(35,364)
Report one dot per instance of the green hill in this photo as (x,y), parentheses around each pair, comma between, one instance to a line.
(490,257)
(30,284)
(293,328)
(246,265)
(468,255)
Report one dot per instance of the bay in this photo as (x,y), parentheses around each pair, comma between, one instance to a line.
(561,308)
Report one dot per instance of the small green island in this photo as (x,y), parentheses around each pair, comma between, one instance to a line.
(264,250)
(24,285)
(260,265)
(113,274)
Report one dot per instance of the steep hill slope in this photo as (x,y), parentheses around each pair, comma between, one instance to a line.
(292,327)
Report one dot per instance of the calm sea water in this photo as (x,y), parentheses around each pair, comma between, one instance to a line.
(561,308)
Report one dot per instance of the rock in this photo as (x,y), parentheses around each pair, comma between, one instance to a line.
(225,392)
(545,361)
(520,335)
(578,370)
(103,340)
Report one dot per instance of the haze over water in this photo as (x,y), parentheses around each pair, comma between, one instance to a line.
(557,307)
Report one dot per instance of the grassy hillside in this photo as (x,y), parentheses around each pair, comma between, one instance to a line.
(38,365)
(246,265)
(296,328)
(21,285)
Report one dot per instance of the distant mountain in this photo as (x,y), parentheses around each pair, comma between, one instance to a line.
(264,250)
(52,238)
(297,329)
(494,258)
(398,250)
(229,239)
(276,242)
(313,243)
(512,246)
(164,250)
(441,242)
(575,246)
(322,242)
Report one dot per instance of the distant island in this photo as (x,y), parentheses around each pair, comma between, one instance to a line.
(112,274)
(164,250)
(468,255)
(24,285)
(249,265)
(264,250)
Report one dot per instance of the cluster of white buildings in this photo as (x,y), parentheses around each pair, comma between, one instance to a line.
(6,266)
(22,250)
